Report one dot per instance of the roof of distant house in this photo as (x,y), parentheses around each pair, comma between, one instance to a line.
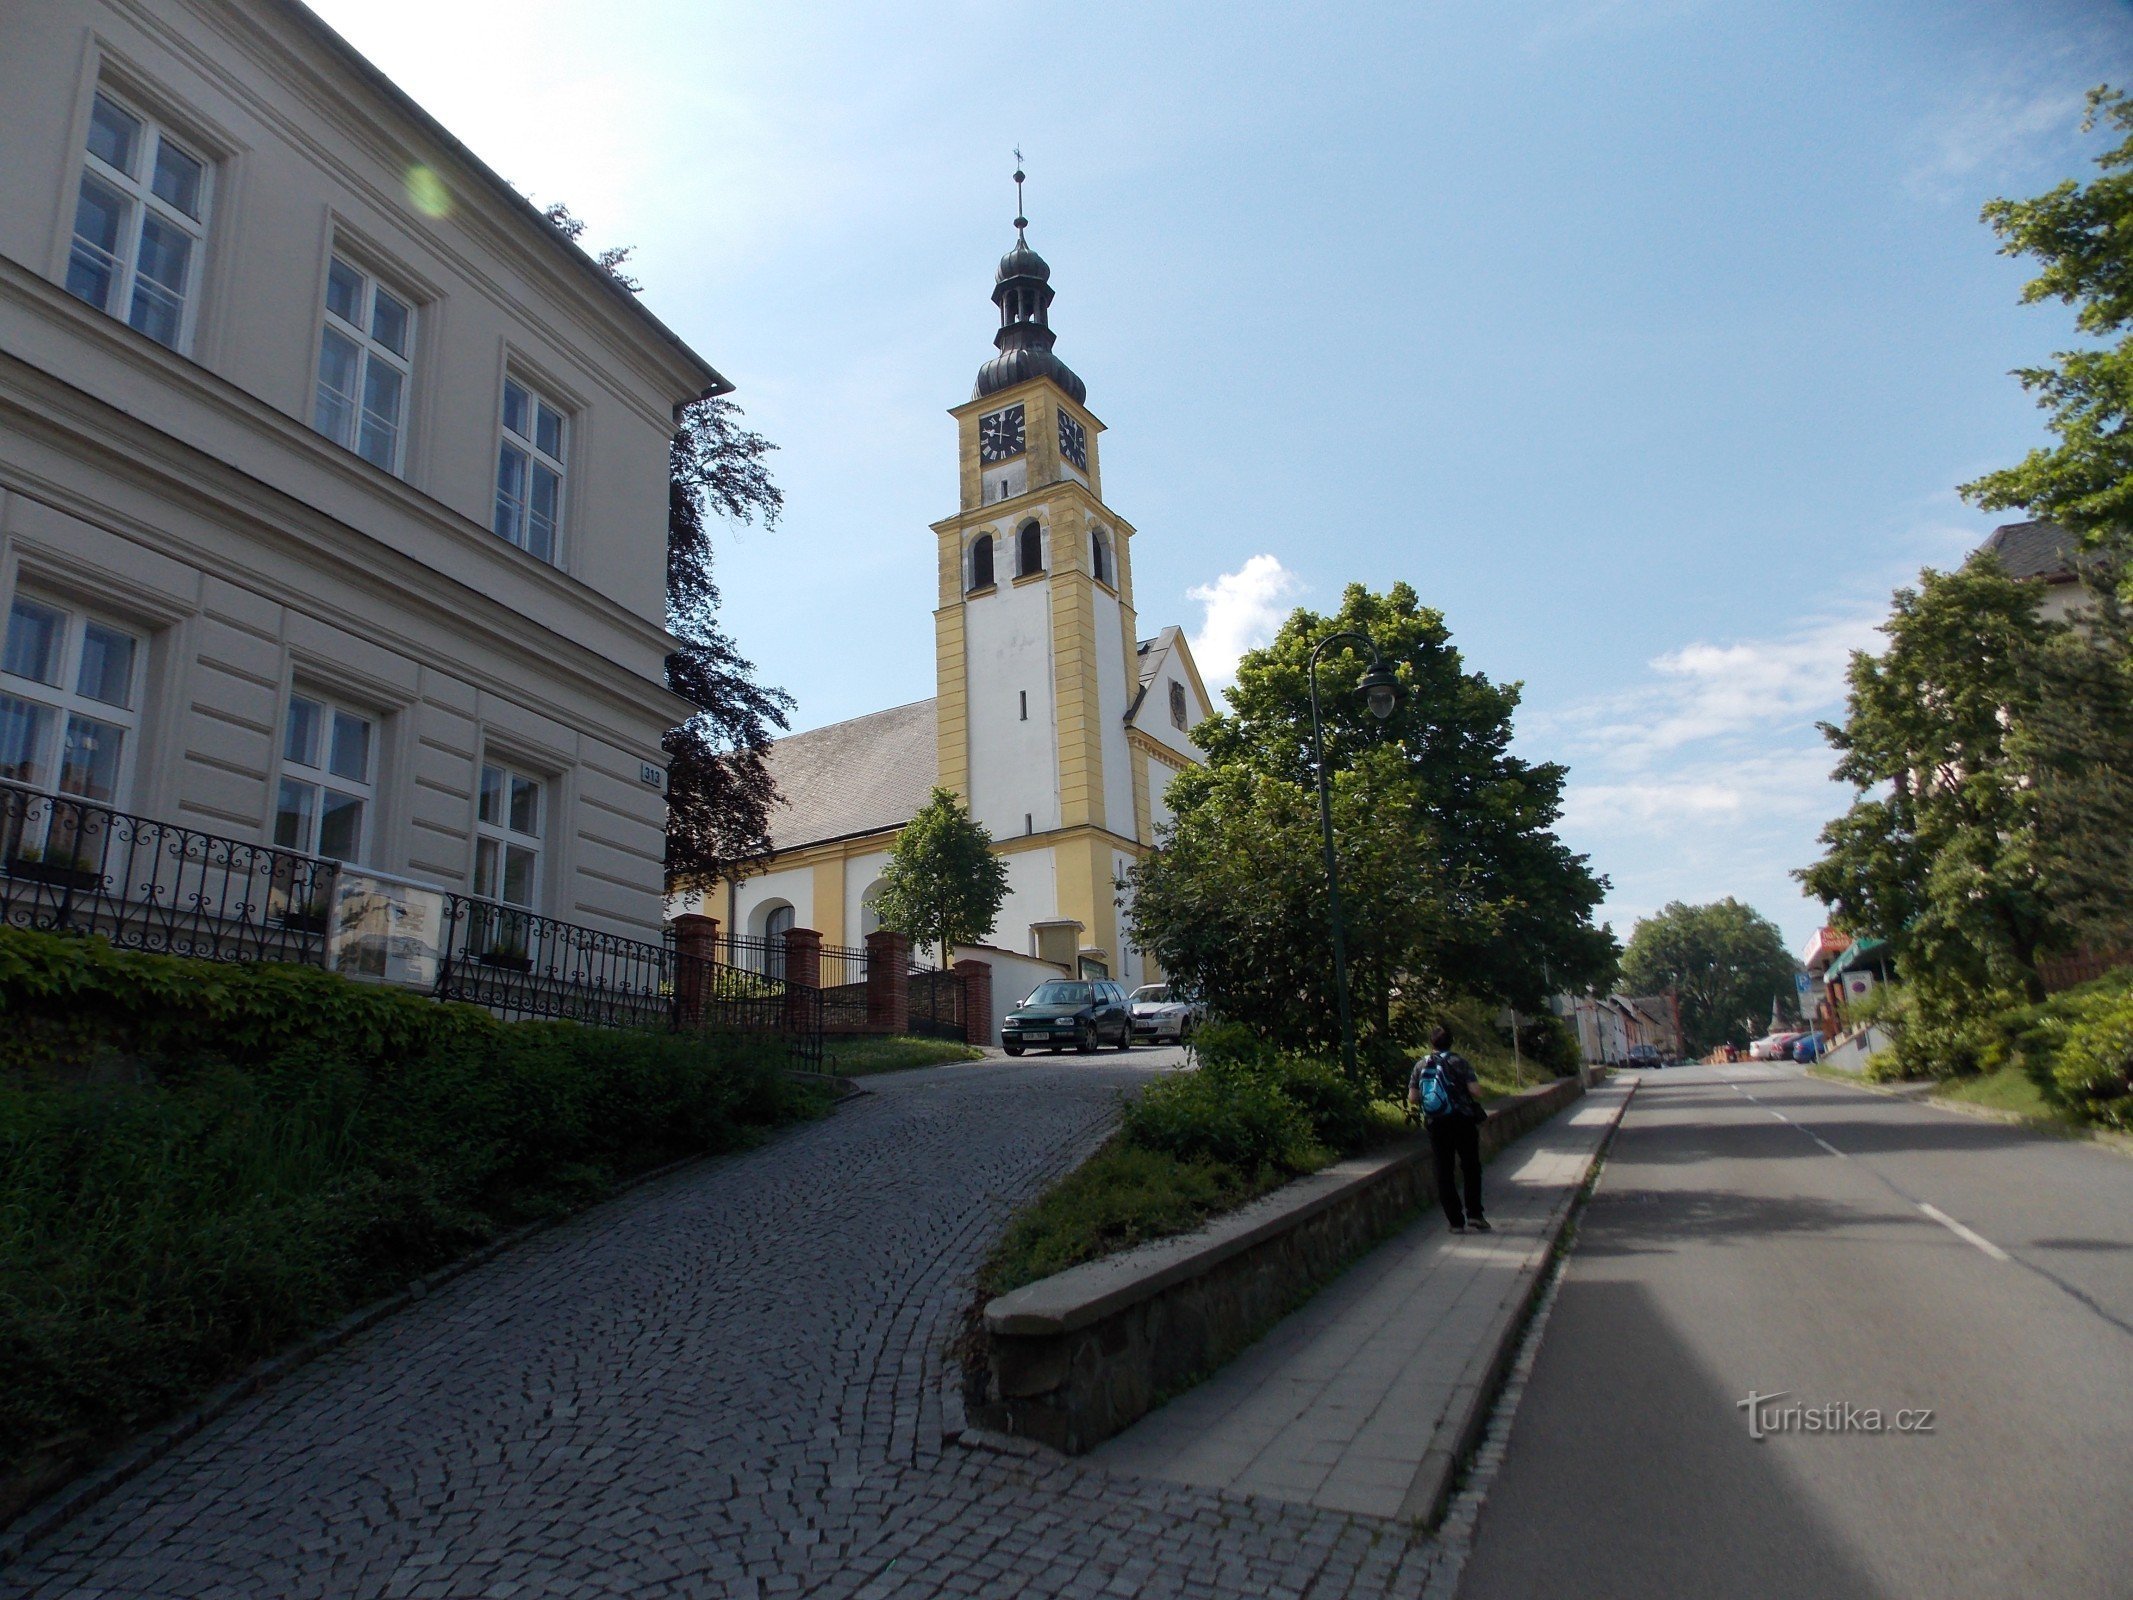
(2035,550)
(862,776)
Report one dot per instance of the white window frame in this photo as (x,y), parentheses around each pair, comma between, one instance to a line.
(498,834)
(527,446)
(65,699)
(319,775)
(140,205)
(369,349)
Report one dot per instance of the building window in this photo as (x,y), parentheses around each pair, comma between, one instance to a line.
(529,472)
(1177,703)
(364,366)
(981,562)
(69,688)
(323,805)
(507,837)
(139,224)
(1029,550)
(1100,555)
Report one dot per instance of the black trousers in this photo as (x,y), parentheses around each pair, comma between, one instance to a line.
(1456,1139)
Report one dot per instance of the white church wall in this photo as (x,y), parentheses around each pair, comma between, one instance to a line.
(794,887)
(861,873)
(1128,966)
(1154,716)
(1112,699)
(1014,769)
(1159,776)
(1032,896)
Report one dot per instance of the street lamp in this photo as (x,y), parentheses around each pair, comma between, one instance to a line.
(1381,693)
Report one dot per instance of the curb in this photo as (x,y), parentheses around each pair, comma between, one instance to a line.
(2072,1133)
(1459,1433)
(130,1460)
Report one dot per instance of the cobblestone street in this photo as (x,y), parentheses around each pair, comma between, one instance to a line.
(726,1383)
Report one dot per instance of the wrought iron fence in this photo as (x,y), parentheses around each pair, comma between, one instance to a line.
(71,865)
(936,1006)
(752,952)
(844,988)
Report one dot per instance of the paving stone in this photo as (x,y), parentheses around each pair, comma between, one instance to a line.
(728,1383)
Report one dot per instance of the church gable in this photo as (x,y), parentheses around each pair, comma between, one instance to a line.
(1171,700)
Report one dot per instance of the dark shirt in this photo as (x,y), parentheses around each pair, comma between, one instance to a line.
(1458,1077)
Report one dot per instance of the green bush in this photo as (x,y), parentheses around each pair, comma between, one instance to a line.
(200,1162)
(1339,1113)
(1234,1119)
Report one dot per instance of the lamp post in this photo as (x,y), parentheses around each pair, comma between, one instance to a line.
(1381,692)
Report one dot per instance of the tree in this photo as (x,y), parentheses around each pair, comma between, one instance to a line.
(1517,902)
(943,885)
(1723,961)
(719,790)
(1941,845)
(1234,904)
(2083,234)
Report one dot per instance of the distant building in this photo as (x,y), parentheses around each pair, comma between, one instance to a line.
(333,479)
(2044,553)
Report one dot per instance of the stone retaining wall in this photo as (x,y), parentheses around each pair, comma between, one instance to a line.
(1074,1358)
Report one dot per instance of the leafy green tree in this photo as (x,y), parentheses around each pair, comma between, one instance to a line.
(2083,235)
(943,885)
(1941,846)
(1234,904)
(1517,903)
(1724,962)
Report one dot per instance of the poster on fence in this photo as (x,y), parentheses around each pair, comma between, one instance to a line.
(385,928)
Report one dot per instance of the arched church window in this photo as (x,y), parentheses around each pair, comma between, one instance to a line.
(1100,554)
(981,562)
(1177,702)
(1029,550)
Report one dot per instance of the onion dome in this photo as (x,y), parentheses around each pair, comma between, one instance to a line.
(1022,289)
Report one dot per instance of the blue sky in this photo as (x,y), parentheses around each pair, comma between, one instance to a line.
(1646,338)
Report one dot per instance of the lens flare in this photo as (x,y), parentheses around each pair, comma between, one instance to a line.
(426,192)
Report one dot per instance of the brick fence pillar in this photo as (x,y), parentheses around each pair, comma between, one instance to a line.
(803,976)
(696,947)
(976,980)
(888,982)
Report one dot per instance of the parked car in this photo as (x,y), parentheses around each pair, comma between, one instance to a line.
(1644,1058)
(1808,1048)
(1081,1012)
(1159,1014)
(1772,1046)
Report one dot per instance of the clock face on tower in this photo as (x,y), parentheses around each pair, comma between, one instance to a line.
(1000,435)
(1073,441)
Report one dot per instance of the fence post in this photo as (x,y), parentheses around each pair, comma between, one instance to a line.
(976,979)
(803,974)
(888,981)
(695,949)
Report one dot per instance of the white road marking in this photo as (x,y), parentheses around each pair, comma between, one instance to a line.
(1825,1144)
(1968,1236)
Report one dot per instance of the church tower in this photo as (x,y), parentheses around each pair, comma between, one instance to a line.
(1034,634)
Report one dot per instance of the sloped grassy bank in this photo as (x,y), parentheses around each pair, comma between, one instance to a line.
(200,1162)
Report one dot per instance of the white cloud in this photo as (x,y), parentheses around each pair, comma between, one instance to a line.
(1244,610)
(1997,134)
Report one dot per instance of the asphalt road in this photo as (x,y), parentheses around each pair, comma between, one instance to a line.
(1758,1229)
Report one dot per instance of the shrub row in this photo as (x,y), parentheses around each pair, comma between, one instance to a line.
(199,1162)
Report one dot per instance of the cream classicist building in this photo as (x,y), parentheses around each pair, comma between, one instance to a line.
(1058,723)
(333,480)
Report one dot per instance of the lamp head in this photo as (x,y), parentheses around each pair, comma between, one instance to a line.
(1381,691)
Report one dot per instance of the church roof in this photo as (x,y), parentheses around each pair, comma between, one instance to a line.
(862,776)
(2035,550)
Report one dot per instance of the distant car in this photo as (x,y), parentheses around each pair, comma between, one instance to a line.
(1807,1048)
(1644,1058)
(1077,1012)
(1772,1047)
(1159,1014)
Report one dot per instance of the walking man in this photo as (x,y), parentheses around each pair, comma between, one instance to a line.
(1442,1089)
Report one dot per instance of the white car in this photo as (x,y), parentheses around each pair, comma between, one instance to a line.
(1772,1047)
(1157,1014)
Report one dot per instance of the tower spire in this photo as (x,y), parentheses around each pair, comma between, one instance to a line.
(1022,289)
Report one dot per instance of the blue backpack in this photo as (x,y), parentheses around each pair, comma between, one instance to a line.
(1438,1097)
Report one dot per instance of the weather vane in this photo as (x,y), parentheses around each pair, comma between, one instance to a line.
(1021,221)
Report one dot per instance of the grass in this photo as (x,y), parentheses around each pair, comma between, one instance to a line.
(2010,1089)
(855,1058)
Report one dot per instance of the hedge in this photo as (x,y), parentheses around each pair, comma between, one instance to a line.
(201,1161)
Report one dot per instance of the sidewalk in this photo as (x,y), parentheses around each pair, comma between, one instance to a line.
(1366,1399)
